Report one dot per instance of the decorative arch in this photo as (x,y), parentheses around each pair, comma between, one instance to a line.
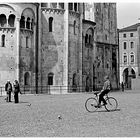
(28,12)
(7,6)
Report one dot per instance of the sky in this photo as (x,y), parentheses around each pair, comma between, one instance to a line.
(128,13)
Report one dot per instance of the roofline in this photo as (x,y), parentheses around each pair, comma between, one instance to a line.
(123,30)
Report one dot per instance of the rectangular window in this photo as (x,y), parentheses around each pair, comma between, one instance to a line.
(3,41)
(132,44)
(131,34)
(70,6)
(27,42)
(124,35)
(124,45)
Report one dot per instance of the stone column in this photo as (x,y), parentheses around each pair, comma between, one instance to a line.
(7,21)
(25,22)
(17,44)
(65,48)
(80,51)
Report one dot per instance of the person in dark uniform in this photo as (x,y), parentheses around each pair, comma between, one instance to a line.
(122,85)
(16,91)
(8,89)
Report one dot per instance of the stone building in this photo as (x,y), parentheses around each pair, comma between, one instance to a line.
(129,43)
(58,47)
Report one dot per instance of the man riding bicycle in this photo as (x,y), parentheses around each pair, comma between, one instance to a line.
(105,90)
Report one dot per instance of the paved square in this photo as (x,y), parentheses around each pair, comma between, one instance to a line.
(41,118)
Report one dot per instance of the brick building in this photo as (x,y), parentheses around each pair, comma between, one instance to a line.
(68,46)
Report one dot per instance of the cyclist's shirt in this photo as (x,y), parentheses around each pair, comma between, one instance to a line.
(107,85)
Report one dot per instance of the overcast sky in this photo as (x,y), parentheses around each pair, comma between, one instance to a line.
(127,13)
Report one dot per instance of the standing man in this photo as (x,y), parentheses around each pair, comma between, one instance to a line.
(122,85)
(8,89)
(16,91)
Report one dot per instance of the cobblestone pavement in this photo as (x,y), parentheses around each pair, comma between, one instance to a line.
(40,119)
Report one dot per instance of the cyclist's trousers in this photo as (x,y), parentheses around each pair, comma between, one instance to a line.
(101,96)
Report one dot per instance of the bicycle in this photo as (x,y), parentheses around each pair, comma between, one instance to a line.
(91,103)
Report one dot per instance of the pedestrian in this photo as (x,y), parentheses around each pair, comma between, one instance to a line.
(122,86)
(16,91)
(8,89)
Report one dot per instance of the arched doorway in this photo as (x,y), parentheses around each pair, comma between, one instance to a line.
(127,76)
(133,74)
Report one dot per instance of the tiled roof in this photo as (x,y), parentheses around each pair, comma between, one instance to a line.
(130,28)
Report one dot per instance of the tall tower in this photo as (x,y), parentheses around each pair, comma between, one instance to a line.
(17,31)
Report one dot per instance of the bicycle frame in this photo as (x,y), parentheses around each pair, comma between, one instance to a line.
(97,96)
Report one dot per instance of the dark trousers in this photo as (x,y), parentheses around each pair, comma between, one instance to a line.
(8,96)
(16,97)
(101,96)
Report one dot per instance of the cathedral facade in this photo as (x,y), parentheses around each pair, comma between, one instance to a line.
(58,47)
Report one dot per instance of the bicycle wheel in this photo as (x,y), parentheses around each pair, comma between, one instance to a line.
(91,105)
(112,104)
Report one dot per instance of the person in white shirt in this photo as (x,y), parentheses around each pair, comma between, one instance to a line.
(105,90)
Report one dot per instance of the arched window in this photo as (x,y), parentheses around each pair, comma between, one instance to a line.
(28,23)
(26,79)
(50,24)
(125,58)
(3,20)
(11,20)
(86,38)
(22,22)
(132,57)
(50,78)
(74,27)
(3,40)
(89,39)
